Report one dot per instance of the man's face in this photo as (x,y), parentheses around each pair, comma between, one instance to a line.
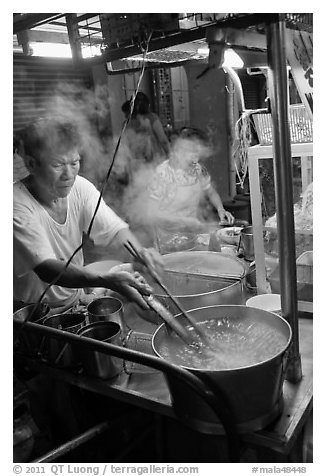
(56,173)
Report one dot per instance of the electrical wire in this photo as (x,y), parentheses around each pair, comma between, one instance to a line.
(125,124)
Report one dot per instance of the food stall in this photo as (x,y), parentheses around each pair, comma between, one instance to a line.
(272,425)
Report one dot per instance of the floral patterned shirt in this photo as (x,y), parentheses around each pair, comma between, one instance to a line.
(178,191)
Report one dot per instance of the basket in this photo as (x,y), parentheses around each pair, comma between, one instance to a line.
(299,122)
(141,342)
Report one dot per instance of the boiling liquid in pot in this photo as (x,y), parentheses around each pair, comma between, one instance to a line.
(233,344)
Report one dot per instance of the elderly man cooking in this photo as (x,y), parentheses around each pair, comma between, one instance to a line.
(53,207)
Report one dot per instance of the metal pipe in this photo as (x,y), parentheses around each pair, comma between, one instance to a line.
(230,132)
(233,79)
(284,188)
(237,86)
(73,444)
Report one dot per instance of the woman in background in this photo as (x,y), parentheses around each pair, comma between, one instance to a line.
(145,134)
(181,182)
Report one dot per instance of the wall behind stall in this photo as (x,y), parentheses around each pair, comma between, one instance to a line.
(35,79)
(120,87)
(35,82)
(208,111)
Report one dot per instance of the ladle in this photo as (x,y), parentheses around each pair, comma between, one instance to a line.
(132,250)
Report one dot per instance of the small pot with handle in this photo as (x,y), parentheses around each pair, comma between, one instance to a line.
(247,243)
(59,352)
(97,364)
(27,341)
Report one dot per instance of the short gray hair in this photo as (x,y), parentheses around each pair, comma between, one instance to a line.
(50,134)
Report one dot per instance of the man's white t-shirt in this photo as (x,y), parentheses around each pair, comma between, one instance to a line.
(38,237)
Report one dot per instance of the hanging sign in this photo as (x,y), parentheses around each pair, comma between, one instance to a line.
(299,47)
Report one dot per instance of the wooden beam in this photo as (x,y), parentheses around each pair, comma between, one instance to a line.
(73,33)
(236,37)
(26,21)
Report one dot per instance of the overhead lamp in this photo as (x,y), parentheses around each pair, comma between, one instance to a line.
(231,59)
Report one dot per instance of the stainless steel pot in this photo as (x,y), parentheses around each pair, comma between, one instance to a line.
(193,292)
(29,342)
(218,280)
(247,243)
(108,309)
(95,363)
(59,352)
(254,392)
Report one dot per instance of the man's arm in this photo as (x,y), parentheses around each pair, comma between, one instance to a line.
(130,285)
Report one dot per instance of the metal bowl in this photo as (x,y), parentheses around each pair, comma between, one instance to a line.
(169,242)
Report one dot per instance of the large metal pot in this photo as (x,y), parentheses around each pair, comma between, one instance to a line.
(198,279)
(253,392)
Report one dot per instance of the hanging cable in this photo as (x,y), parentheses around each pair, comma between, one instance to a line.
(125,124)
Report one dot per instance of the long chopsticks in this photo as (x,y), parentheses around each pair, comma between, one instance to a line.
(132,250)
(169,319)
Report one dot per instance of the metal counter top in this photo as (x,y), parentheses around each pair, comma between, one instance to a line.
(151,392)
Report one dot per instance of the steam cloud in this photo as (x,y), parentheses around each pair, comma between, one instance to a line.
(126,189)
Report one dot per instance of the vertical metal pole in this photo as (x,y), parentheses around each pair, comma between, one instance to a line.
(73,34)
(230,129)
(284,188)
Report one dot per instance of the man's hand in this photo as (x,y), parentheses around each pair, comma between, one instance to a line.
(132,285)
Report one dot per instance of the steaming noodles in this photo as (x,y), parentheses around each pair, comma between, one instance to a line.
(237,343)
